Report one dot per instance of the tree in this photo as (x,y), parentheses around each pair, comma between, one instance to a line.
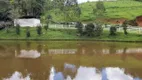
(79,27)
(124,25)
(46,26)
(18,29)
(99,9)
(89,29)
(100,6)
(113,31)
(4,10)
(39,30)
(29,7)
(28,32)
(71,10)
(98,29)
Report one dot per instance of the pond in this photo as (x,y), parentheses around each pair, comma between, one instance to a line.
(70,60)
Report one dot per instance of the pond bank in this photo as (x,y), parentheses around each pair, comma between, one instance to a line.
(70,40)
(67,35)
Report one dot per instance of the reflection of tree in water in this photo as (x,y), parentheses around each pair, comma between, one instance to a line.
(87,49)
(124,55)
(112,49)
(28,45)
(80,48)
(70,69)
(39,48)
(2,50)
(38,68)
(18,48)
(46,49)
(7,50)
(90,48)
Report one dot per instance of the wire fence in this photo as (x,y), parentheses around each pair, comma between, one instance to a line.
(132,29)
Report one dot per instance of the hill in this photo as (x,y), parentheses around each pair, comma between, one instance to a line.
(121,9)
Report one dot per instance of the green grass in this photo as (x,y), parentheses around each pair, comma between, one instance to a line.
(67,34)
(126,9)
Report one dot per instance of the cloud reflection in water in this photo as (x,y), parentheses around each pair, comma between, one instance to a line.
(91,73)
(18,76)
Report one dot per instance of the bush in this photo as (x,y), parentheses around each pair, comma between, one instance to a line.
(46,26)
(39,30)
(112,31)
(89,29)
(79,27)
(100,6)
(98,30)
(124,25)
(28,32)
(18,29)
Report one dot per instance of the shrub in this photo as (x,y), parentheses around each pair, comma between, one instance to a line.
(7,30)
(79,27)
(100,6)
(124,25)
(46,26)
(89,29)
(39,30)
(18,29)
(98,30)
(28,32)
(49,17)
(112,31)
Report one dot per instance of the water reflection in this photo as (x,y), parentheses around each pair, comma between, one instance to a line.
(87,73)
(37,58)
(18,76)
(55,75)
(28,54)
(92,73)
(88,48)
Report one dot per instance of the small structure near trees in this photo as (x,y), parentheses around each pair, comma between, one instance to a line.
(31,22)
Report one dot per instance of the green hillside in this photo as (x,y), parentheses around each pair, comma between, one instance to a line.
(127,9)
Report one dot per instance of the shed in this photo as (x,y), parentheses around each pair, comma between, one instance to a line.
(30,22)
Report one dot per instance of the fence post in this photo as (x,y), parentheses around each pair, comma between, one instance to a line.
(139,30)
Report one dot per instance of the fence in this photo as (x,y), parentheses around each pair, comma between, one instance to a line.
(132,29)
(62,26)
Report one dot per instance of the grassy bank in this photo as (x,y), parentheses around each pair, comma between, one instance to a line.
(66,34)
(125,9)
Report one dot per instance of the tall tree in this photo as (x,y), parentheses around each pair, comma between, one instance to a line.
(29,7)
(72,11)
(4,10)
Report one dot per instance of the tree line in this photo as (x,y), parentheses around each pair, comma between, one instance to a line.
(11,9)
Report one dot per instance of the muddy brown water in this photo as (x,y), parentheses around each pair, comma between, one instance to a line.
(70,60)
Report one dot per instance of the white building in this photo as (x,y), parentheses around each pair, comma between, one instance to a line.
(32,22)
